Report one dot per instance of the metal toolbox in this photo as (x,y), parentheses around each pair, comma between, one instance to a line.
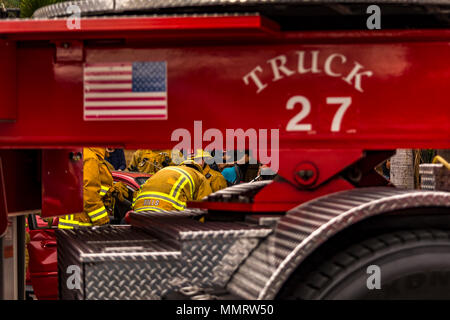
(157,255)
(115,262)
(434,177)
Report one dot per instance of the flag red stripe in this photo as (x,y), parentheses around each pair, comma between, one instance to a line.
(134,116)
(107,64)
(126,108)
(107,81)
(107,73)
(107,90)
(126,99)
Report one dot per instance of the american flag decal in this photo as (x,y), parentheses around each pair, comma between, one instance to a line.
(125,91)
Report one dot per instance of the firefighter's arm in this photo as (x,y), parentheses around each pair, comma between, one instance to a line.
(118,190)
(93,204)
(109,165)
(204,189)
(135,161)
(218,182)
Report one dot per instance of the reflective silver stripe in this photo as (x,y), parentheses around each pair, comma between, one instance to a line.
(150,208)
(191,182)
(64,225)
(178,186)
(174,202)
(187,175)
(97,214)
(85,224)
(67,224)
(103,190)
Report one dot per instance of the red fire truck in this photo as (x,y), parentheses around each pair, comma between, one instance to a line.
(329,97)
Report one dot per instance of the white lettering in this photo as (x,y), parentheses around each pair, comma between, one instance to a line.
(184,145)
(374,280)
(314,62)
(73,21)
(374,21)
(278,66)
(252,75)
(74,280)
(264,158)
(354,74)
(327,65)
(280,70)
(217,144)
(241,136)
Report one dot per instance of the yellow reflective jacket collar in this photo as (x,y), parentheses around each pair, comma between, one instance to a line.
(98,153)
(192,164)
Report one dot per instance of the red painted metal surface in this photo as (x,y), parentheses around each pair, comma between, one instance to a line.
(22,179)
(139,27)
(43,263)
(129,178)
(8,80)
(286,192)
(278,196)
(340,90)
(328,163)
(410,78)
(62,182)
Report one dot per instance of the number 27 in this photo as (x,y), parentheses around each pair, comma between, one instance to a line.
(295,125)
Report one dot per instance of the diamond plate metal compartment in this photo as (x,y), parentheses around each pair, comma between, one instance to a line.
(307,226)
(116,263)
(242,193)
(158,254)
(211,251)
(434,177)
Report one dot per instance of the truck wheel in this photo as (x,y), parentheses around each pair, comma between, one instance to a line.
(413,264)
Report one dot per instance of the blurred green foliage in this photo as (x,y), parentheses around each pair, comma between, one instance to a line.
(11,3)
(27,7)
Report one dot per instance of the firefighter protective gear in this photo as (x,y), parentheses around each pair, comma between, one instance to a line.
(97,180)
(215,178)
(136,159)
(150,161)
(110,166)
(171,187)
(200,154)
(119,190)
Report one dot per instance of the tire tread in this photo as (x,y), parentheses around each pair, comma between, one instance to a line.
(312,283)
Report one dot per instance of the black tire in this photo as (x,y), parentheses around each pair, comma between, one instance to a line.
(414,264)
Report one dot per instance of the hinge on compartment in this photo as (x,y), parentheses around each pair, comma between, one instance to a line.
(69,51)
